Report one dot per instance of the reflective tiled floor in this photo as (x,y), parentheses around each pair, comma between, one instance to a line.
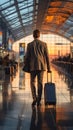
(15,104)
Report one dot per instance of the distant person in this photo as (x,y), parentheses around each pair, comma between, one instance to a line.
(37,58)
(1,60)
(6,60)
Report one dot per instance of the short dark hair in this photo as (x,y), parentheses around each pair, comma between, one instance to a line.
(36,33)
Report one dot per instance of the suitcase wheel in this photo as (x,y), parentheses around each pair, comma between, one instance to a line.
(52,103)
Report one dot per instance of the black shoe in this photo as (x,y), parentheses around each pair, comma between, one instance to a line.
(34,103)
(38,104)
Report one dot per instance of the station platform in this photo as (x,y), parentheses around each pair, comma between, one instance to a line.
(15,104)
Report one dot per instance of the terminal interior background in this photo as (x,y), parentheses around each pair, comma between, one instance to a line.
(18,19)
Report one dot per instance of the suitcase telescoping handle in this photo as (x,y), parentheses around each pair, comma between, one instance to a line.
(50,76)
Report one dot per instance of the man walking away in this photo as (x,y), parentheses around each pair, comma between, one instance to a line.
(38,59)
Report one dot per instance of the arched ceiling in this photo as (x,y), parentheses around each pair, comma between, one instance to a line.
(23,16)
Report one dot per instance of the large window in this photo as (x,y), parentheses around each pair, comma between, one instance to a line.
(10,42)
(22,51)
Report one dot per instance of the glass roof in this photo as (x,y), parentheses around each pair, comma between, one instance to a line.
(18,13)
(22,16)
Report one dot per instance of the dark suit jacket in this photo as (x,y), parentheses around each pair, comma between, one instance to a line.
(37,56)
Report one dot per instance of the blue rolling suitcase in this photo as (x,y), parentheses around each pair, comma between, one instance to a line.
(49,92)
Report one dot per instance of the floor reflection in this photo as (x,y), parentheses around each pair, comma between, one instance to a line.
(16,99)
(36,119)
(43,120)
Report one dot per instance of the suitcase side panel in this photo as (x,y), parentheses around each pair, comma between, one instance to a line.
(50,94)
